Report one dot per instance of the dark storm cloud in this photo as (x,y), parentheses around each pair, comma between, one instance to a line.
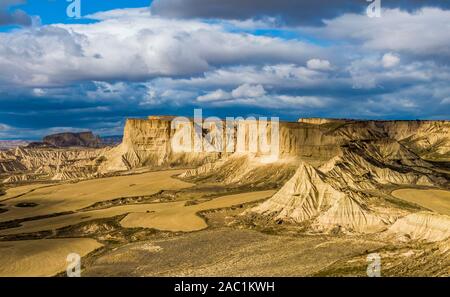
(13,16)
(65,77)
(291,12)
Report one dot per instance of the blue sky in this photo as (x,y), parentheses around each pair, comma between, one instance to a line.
(231,58)
(54,11)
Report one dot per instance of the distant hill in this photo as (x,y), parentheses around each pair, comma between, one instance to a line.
(69,139)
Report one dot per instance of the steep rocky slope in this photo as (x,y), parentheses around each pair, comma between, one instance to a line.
(243,170)
(309,196)
(360,155)
(371,155)
(337,195)
(148,143)
(429,139)
(325,168)
(360,170)
(426,226)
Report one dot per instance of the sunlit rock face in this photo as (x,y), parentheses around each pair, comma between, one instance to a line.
(166,142)
(426,226)
(429,139)
(148,142)
(159,141)
(28,164)
(369,155)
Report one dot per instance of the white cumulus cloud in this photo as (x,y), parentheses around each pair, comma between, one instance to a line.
(217,95)
(317,64)
(249,91)
(390,60)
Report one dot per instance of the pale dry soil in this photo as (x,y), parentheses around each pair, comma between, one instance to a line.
(80,217)
(73,196)
(21,190)
(185,218)
(228,252)
(43,257)
(201,251)
(171,216)
(47,257)
(435,200)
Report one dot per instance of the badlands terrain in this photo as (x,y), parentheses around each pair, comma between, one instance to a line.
(335,192)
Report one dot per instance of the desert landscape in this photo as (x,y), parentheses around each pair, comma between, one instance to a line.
(336,191)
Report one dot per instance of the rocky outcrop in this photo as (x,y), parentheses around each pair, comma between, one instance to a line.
(243,170)
(148,143)
(357,172)
(309,197)
(17,178)
(9,164)
(67,139)
(425,226)
(429,139)
(303,197)
(25,164)
(369,156)
(321,121)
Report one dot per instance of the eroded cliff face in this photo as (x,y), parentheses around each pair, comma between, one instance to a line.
(148,142)
(429,139)
(423,225)
(366,153)
(369,156)
(28,164)
(312,197)
(67,139)
(337,195)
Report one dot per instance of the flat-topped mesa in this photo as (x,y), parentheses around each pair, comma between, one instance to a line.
(150,142)
(321,121)
(159,141)
(68,139)
(161,117)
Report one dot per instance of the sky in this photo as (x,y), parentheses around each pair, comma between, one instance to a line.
(62,71)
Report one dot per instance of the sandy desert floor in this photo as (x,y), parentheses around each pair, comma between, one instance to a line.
(184,218)
(191,233)
(172,216)
(43,257)
(72,196)
(229,252)
(435,200)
